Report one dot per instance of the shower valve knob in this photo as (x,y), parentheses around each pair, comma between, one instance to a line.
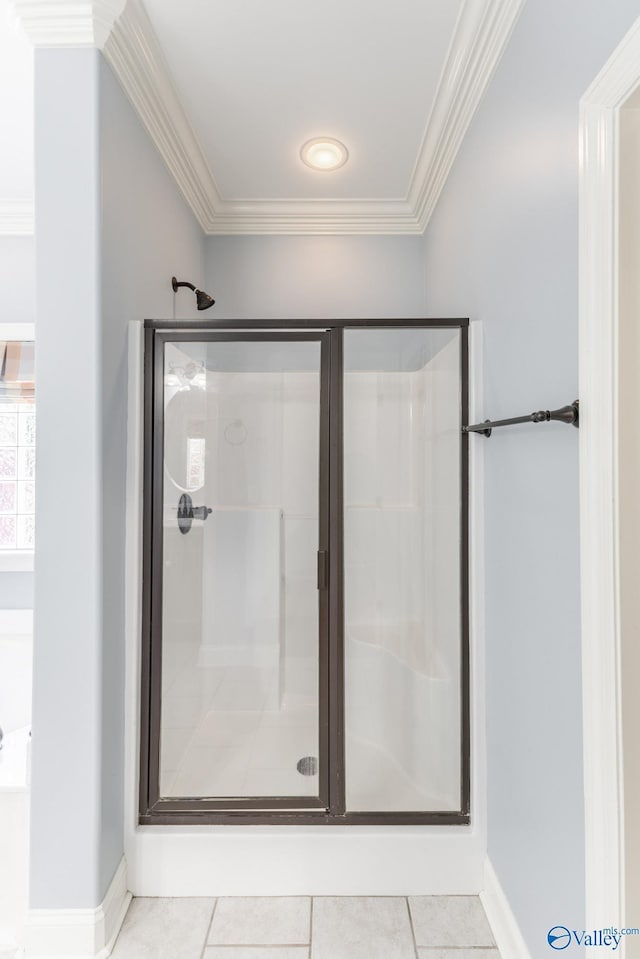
(201,512)
(187,512)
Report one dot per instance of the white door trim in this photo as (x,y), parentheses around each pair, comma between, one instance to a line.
(598,357)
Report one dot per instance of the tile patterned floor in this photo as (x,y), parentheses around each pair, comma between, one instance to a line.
(301,927)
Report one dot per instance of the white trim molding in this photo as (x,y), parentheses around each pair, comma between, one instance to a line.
(18,331)
(124,32)
(134,53)
(79,933)
(136,58)
(16,622)
(599,524)
(16,561)
(16,217)
(477,591)
(67,23)
(482,33)
(504,925)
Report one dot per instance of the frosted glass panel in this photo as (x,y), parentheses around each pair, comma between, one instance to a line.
(402,393)
(240,660)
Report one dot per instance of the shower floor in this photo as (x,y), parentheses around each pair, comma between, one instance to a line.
(242,753)
(221,739)
(221,735)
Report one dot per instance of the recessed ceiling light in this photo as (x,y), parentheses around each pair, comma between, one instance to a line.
(324,153)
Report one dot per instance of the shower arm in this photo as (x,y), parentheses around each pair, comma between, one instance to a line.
(566,414)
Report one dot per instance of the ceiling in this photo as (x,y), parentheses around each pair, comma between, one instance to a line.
(229,90)
(258,80)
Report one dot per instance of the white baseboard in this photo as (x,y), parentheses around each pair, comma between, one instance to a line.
(503,923)
(79,933)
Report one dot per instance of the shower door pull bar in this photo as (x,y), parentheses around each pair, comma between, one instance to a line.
(323,564)
(566,414)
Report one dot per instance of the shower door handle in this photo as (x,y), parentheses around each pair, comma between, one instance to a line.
(323,569)
(187,512)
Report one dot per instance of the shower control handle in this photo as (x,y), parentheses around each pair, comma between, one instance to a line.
(187,512)
(201,512)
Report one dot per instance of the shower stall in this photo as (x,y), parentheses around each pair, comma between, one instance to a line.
(305,652)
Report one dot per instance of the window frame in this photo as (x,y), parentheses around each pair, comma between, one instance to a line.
(17,560)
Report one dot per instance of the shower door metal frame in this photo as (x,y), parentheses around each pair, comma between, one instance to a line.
(150,800)
(329,807)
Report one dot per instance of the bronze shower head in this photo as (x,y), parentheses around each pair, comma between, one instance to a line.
(203,300)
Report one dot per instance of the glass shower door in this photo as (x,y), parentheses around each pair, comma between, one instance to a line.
(241,690)
(305,644)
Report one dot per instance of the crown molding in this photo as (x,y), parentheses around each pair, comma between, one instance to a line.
(136,58)
(481,35)
(67,23)
(313,217)
(16,217)
(134,53)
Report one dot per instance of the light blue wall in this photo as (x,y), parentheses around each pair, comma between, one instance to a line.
(17,305)
(313,277)
(148,235)
(503,248)
(66,808)
(106,205)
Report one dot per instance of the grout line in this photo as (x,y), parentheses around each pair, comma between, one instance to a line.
(311,928)
(479,950)
(258,945)
(285,949)
(413,932)
(206,937)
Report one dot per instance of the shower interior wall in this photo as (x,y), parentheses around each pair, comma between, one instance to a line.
(402,583)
